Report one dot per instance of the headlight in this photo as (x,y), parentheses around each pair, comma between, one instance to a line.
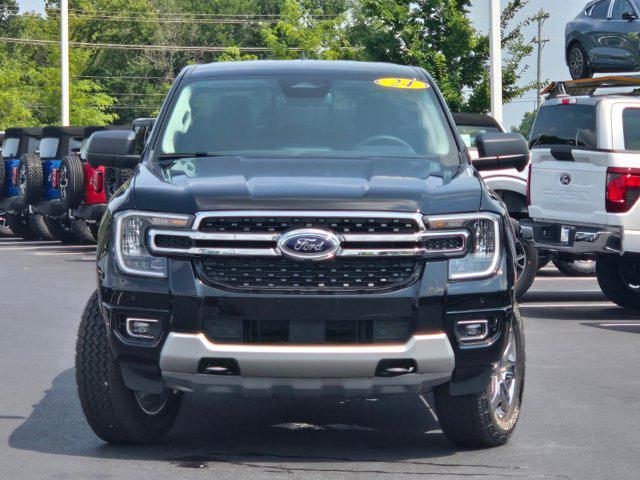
(484,243)
(132,254)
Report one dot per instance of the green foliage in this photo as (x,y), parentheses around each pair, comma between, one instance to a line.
(116,85)
(526,124)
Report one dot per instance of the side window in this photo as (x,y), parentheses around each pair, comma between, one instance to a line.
(631,128)
(621,8)
(601,9)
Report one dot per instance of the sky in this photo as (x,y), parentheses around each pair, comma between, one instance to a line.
(553,63)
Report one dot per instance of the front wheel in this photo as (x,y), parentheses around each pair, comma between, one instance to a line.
(61,229)
(488,418)
(579,63)
(19,224)
(115,413)
(5,229)
(619,279)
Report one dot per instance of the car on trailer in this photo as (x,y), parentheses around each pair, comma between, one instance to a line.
(17,143)
(510,185)
(303,228)
(585,182)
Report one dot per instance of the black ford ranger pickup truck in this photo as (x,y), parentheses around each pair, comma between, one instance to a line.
(303,228)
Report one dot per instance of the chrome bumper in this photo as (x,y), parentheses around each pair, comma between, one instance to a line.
(582,240)
(306,370)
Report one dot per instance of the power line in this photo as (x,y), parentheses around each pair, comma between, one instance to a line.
(175,48)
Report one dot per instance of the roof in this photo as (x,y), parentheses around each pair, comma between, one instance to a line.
(20,132)
(57,131)
(475,119)
(305,67)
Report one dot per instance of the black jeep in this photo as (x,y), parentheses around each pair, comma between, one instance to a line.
(303,228)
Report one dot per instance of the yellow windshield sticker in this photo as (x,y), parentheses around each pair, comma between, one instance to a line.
(403,83)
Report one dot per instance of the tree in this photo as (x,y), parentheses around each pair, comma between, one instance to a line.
(438,36)
(526,124)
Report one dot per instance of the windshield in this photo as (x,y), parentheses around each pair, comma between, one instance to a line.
(469,133)
(10,147)
(276,116)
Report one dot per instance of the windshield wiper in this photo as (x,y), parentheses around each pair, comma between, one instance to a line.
(174,156)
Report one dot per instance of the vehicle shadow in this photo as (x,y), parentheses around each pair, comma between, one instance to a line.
(587,313)
(239,430)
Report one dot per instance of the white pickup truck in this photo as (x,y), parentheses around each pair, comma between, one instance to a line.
(584,180)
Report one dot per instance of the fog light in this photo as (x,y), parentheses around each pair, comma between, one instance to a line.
(143,328)
(471,331)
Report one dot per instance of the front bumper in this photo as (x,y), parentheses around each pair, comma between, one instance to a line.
(306,369)
(573,239)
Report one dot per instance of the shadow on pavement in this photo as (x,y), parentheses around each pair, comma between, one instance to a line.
(245,431)
(584,313)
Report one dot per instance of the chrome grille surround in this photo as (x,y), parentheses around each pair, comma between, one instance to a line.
(384,244)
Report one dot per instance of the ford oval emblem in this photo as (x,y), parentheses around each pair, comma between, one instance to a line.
(309,244)
(565,179)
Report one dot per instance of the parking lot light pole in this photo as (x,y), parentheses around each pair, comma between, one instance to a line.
(64,60)
(495,54)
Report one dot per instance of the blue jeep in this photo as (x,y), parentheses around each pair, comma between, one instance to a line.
(17,143)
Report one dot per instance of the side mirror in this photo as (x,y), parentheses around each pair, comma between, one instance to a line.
(499,151)
(112,148)
(629,17)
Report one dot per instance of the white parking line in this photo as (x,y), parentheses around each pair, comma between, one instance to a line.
(619,324)
(54,254)
(567,305)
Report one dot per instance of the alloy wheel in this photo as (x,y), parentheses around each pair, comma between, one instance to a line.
(521,259)
(576,63)
(503,389)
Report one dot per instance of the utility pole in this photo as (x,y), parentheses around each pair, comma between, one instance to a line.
(495,54)
(541,18)
(64,60)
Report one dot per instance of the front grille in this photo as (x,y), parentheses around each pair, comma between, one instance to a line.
(282,224)
(353,331)
(283,275)
(174,241)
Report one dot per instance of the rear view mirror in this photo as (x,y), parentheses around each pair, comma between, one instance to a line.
(629,17)
(499,151)
(112,148)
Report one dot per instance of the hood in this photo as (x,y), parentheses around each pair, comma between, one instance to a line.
(308,183)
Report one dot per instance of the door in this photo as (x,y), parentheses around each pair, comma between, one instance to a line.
(568,172)
(596,32)
(623,39)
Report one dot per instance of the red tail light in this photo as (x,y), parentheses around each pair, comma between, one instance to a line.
(55,178)
(623,189)
(14,176)
(96,181)
(529,185)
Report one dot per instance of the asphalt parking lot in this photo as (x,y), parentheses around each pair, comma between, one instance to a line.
(581,414)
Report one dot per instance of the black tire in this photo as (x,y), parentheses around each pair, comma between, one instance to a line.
(30,177)
(576,268)
(470,420)
(2,177)
(71,181)
(111,409)
(60,229)
(611,271)
(19,225)
(81,230)
(526,262)
(5,228)
(578,62)
(543,259)
(39,227)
